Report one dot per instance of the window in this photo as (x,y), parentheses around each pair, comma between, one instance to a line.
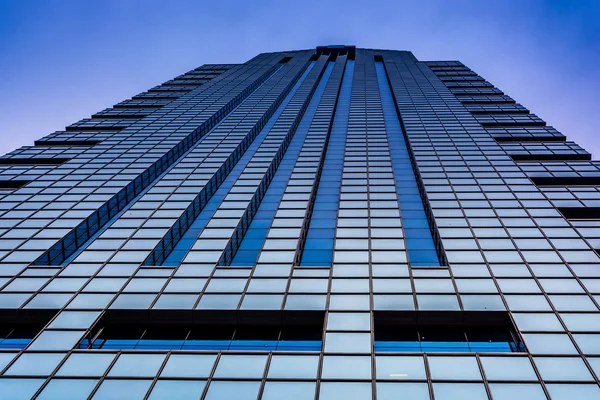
(33,161)
(48,143)
(13,184)
(566,181)
(455,332)
(268,331)
(17,333)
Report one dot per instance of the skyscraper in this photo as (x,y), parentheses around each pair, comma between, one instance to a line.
(332,224)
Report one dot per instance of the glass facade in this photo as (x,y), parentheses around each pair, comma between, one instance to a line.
(325,224)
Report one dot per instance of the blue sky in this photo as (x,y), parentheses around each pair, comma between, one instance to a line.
(63,60)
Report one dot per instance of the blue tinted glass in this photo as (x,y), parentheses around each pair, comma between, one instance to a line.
(181,390)
(446,340)
(289,391)
(119,389)
(345,390)
(328,192)
(19,389)
(68,389)
(416,225)
(277,186)
(196,227)
(220,390)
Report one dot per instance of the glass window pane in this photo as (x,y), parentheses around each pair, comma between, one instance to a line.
(189,366)
(397,391)
(19,389)
(68,389)
(241,366)
(289,391)
(459,391)
(181,390)
(137,365)
(86,365)
(293,367)
(512,391)
(549,344)
(562,369)
(349,321)
(56,340)
(342,367)
(537,322)
(345,391)
(588,343)
(573,391)
(454,368)
(399,368)
(121,389)
(231,390)
(74,320)
(351,342)
(508,368)
(35,364)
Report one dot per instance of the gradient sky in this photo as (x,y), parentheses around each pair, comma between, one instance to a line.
(62,60)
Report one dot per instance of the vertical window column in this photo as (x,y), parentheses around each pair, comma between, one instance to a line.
(368,227)
(318,247)
(219,241)
(188,239)
(419,241)
(250,247)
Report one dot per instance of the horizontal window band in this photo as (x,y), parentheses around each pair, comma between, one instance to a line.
(170,88)
(535,139)
(13,184)
(207,330)
(198,344)
(155,97)
(500,112)
(551,157)
(94,128)
(137,106)
(580,212)
(494,92)
(566,180)
(505,124)
(33,161)
(476,102)
(446,331)
(97,117)
(50,143)
(187,82)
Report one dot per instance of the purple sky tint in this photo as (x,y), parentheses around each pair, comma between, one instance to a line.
(62,60)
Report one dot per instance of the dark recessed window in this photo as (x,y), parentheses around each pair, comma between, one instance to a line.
(566,180)
(551,157)
(580,213)
(33,161)
(49,143)
(17,331)
(445,332)
(13,184)
(244,333)
(18,337)
(536,138)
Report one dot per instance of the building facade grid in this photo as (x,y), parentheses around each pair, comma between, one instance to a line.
(330,224)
